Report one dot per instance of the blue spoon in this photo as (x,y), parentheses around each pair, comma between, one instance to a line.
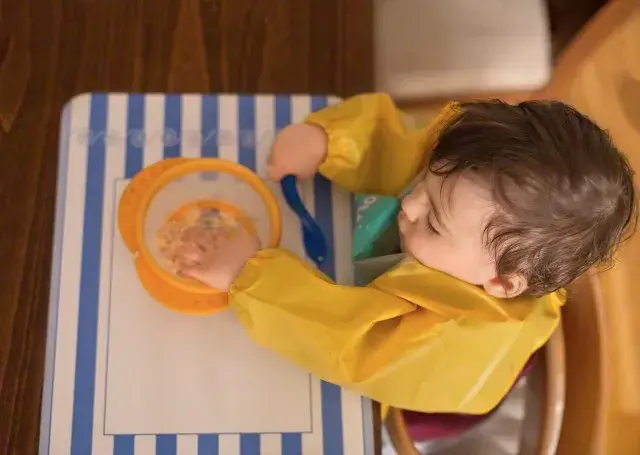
(314,242)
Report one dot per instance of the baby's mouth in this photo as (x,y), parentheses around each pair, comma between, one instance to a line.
(402,221)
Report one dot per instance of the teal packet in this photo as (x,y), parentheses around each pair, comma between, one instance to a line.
(375,226)
(376,229)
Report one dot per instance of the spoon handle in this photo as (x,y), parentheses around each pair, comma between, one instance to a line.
(314,242)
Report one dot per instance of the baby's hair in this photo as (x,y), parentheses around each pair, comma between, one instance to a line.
(564,193)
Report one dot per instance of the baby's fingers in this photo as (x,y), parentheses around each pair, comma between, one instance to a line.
(210,276)
(192,251)
(275,172)
(197,272)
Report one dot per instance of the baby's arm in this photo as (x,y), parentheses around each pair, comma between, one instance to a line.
(414,339)
(362,144)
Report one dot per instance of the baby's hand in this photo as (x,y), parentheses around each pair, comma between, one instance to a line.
(298,150)
(218,265)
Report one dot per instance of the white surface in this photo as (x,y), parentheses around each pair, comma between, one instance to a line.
(453,47)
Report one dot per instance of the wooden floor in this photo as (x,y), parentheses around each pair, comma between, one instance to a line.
(51,50)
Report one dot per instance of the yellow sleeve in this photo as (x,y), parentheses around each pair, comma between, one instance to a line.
(459,353)
(370,148)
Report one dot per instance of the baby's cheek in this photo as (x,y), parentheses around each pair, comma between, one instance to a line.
(445,259)
(426,252)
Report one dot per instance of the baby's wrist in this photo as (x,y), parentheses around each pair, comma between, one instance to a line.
(319,141)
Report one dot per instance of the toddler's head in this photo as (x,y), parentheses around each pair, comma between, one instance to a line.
(520,199)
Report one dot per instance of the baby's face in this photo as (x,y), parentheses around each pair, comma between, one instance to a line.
(442,227)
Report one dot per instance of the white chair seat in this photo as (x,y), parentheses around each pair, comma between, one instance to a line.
(440,48)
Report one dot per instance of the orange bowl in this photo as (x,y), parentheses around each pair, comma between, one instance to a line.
(164,191)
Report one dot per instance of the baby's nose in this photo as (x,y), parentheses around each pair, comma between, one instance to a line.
(409,209)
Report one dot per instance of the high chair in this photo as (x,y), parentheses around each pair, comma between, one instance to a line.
(538,410)
(599,73)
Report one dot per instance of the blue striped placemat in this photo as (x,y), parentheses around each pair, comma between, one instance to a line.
(105,140)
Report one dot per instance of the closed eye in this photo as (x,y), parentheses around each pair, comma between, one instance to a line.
(432,228)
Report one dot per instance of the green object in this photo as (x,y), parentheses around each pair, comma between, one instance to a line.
(376,229)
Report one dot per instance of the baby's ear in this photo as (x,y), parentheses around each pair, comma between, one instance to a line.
(507,286)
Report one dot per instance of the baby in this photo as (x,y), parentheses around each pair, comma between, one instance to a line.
(517,202)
